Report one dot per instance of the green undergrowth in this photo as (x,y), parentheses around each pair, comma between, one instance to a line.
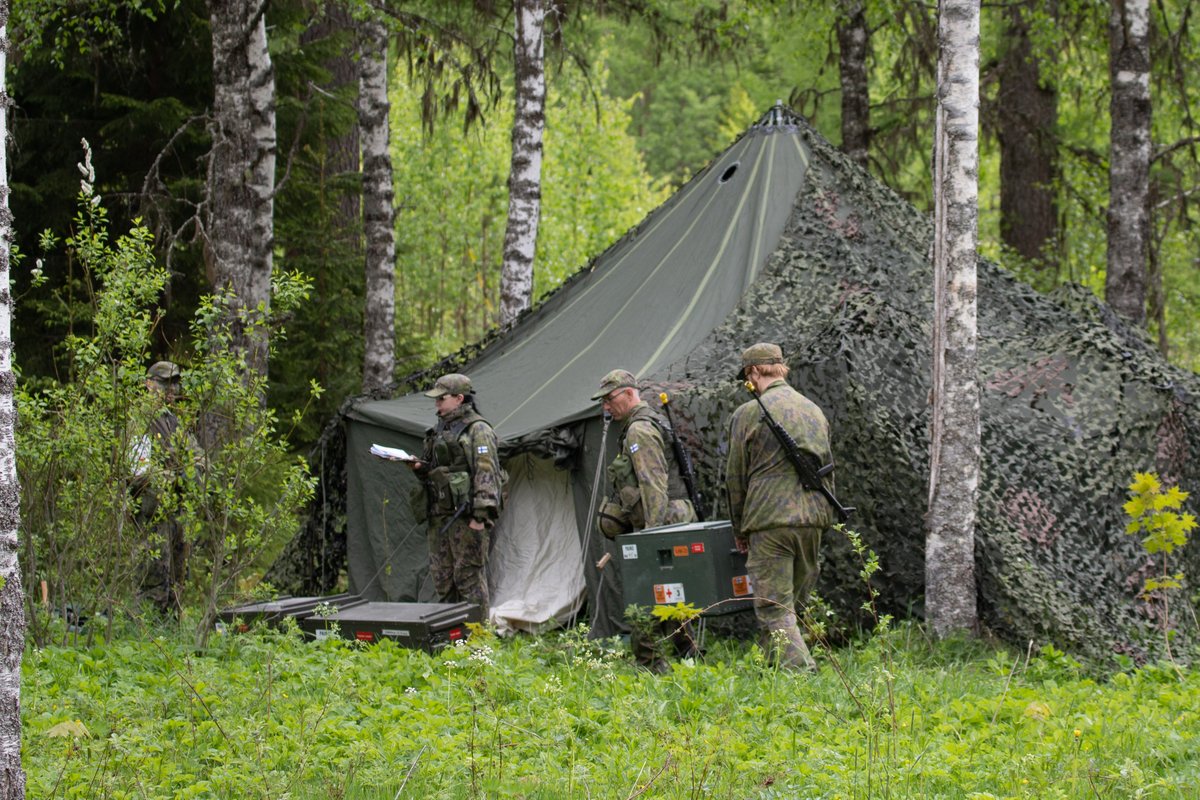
(268,715)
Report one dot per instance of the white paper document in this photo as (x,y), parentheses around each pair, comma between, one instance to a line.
(391,453)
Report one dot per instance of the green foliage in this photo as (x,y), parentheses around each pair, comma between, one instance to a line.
(268,715)
(82,444)
(680,612)
(452,200)
(1154,513)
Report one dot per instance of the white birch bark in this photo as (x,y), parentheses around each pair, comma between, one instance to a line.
(379,319)
(12,600)
(525,178)
(954,450)
(1129,158)
(239,214)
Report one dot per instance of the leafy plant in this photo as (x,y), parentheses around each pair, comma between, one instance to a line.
(236,488)
(1155,513)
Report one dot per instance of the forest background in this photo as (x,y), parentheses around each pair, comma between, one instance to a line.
(639,97)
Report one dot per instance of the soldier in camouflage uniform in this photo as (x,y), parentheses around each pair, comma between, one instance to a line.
(647,491)
(460,471)
(775,519)
(158,466)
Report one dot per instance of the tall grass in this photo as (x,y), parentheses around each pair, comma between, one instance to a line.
(269,715)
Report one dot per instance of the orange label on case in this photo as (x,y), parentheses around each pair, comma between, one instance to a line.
(741,586)
(680,549)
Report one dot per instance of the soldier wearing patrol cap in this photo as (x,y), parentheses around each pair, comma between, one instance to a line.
(461,492)
(647,489)
(158,468)
(775,519)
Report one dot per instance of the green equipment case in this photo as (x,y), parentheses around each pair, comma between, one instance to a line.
(420,626)
(272,612)
(691,562)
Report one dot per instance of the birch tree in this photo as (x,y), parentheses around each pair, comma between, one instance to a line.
(12,601)
(379,317)
(854,46)
(1129,158)
(239,211)
(954,452)
(525,177)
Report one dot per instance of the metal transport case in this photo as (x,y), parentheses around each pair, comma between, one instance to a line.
(420,626)
(691,562)
(273,612)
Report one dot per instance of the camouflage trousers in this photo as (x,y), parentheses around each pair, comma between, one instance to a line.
(165,572)
(458,562)
(783,569)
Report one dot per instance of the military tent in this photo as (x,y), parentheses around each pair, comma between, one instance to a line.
(781,238)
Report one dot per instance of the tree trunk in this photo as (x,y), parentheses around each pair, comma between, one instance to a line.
(341,151)
(854,45)
(1129,158)
(1027,115)
(241,191)
(525,178)
(12,598)
(954,451)
(379,319)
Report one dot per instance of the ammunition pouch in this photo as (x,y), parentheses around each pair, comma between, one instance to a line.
(621,474)
(450,490)
(612,519)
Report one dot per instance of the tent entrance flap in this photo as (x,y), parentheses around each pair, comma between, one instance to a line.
(536,565)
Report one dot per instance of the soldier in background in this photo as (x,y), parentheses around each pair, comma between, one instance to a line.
(159,467)
(462,485)
(775,519)
(647,491)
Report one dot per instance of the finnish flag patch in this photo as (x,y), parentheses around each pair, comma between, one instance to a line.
(482,449)
(633,447)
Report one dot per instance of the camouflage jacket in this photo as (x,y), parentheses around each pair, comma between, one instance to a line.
(764,490)
(157,454)
(664,497)
(473,448)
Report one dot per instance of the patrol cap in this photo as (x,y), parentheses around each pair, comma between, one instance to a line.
(617,379)
(163,371)
(454,383)
(759,354)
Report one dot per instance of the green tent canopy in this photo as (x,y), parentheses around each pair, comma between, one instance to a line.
(781,238)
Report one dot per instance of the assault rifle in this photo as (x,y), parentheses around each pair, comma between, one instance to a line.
(685,462)
(805,463)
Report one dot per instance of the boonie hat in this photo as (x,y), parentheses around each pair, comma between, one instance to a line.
(617,379)
(454,383)
(163,371)
(758,354)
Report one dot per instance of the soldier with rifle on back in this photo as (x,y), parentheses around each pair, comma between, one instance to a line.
(648,490)
(779,476)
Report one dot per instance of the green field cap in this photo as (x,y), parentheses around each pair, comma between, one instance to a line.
(617,379)
(454,383)
(758,354)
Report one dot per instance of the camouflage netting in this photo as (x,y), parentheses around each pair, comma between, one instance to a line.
(1073,402)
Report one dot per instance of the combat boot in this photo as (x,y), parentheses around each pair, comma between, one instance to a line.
(785,646)
(647,652)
